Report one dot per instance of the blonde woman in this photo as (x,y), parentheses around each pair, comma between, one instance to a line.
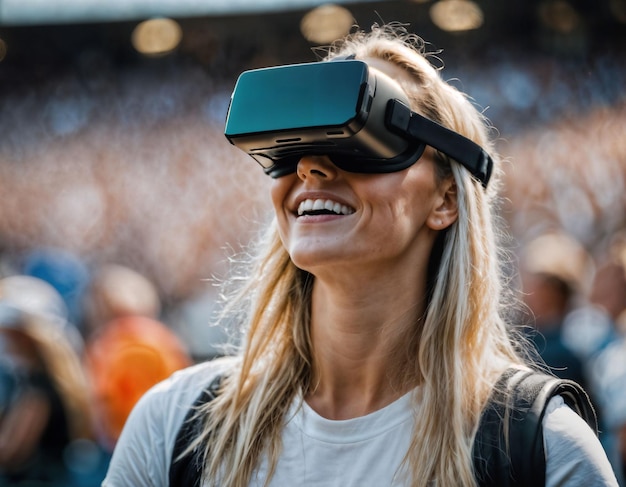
(374,329)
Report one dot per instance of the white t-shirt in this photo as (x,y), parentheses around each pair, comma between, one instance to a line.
(364,451)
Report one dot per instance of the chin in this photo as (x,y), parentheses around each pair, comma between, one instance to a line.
(309,260)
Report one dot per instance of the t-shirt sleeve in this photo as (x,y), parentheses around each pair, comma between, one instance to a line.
(142,455)
(574,455)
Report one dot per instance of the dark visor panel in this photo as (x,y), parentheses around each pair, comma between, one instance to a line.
(296,96)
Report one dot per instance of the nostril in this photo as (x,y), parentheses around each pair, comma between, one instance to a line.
(315,166)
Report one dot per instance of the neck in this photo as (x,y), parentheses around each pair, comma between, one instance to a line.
(365,337)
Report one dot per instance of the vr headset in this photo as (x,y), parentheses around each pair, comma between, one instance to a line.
(355,115)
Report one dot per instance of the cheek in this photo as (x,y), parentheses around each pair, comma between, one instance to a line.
(279,192)
(279,188)
(409,206)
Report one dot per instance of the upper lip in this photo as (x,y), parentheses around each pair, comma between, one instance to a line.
(301,198)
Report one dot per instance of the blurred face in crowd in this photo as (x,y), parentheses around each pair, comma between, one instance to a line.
(546,297)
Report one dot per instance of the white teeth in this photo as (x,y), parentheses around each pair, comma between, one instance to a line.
(306,205)
(329,205)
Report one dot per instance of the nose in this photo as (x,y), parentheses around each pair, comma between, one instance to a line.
(316,167)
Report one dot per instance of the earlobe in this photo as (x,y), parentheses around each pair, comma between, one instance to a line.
(446,209)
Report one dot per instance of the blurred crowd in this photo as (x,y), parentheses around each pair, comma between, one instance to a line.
(78,348)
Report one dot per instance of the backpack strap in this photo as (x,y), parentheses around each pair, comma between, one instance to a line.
(508,449)
(187,471)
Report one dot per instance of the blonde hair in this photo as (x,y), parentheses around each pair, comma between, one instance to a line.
(463,344)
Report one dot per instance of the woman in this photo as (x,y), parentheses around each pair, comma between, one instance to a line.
(375,335)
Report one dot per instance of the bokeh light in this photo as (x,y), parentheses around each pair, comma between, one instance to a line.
(157,37)
(326,23)
(559,16)
(456,15)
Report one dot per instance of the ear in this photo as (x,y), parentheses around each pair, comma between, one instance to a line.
(445,210)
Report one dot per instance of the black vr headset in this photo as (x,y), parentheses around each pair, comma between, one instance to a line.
(359,118)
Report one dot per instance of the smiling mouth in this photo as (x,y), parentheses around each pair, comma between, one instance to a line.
(323,207)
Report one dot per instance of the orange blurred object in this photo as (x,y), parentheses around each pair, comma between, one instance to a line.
(128,356)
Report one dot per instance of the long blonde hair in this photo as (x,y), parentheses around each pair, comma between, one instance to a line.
(464,343)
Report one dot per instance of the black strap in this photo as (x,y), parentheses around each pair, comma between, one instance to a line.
(463,150)
(187,471)
(523,408)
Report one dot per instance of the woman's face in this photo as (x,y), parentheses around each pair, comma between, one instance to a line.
(329,216)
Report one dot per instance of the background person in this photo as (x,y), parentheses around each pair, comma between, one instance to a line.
(128,348)
(596,332)
(46,435)
(556,276)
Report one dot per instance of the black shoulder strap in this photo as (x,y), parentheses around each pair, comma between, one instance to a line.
(517,415)
(187,471)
